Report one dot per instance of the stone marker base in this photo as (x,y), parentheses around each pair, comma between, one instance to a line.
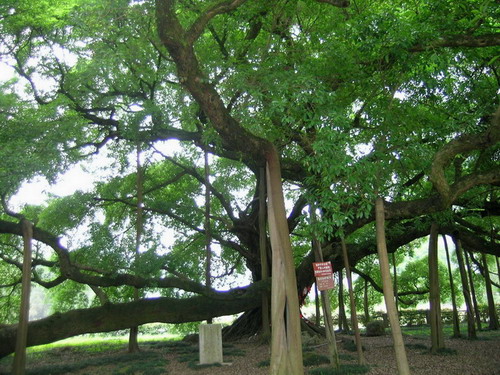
(210,344)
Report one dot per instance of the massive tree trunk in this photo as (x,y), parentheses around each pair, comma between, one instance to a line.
(492,311)
(286,343)
(399,347)
(286,348)
(266,328)
(471,329)
(113,317)
(456,320)
(437,340)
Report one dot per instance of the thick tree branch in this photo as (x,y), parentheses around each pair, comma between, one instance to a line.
(199,25)
(112,317)
(462,145)
(460,41)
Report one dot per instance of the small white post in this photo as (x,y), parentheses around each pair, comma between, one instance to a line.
(210,344)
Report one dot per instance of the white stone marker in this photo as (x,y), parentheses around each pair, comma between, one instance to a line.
(210,344)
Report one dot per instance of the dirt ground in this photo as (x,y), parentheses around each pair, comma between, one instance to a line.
(480,357)
(464,357)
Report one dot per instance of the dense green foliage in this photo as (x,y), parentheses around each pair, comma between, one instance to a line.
(360,101)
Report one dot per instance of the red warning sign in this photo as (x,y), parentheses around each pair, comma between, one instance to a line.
(324,275)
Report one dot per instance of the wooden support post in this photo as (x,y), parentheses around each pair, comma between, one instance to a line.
(325,303)
(354,317)
(19,364)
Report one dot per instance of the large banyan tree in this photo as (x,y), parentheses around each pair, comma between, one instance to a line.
(297,102)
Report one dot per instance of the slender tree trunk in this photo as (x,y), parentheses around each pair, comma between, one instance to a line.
(365,302)
(492,311)
(133,343)
(325,302)
(472,290)
(471,328)
(395,273)
(498,269)
(437,340)
(354,317)
(264,266)
(343,326)
(208,232)
(399,347)
(316,303)
(456,320)
(19,363)
(286,342)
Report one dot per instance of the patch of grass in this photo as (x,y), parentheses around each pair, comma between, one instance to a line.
(446,351)
(346,369)
(314,359)
(350,345)
(417,346)
(346,357)
(197,366)
(265,363)
(143,362)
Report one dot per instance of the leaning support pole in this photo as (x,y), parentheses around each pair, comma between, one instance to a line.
(18,367)
(325,303)
(354,316)
(399,347)
(437,340)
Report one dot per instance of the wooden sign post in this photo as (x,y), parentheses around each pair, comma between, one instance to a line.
(324,275)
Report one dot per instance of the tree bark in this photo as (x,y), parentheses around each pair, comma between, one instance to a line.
(365,302)
(399,347)
(472,290)
(395,273)
(208,236)
(266,328)
(113,317)
(343,325)
(471,328)
(437,340)
(133,343)
(354,316)
(286,342)
(492,311)
(19,364)
(456,320)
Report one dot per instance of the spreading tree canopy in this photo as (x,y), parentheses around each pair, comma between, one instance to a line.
(347,100)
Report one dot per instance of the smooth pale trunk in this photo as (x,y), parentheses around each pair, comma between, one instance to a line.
(286,342)
(19,364)
(264,266)
(399,347)
(492,311)
(437,340)
(456,321)
(471,328)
